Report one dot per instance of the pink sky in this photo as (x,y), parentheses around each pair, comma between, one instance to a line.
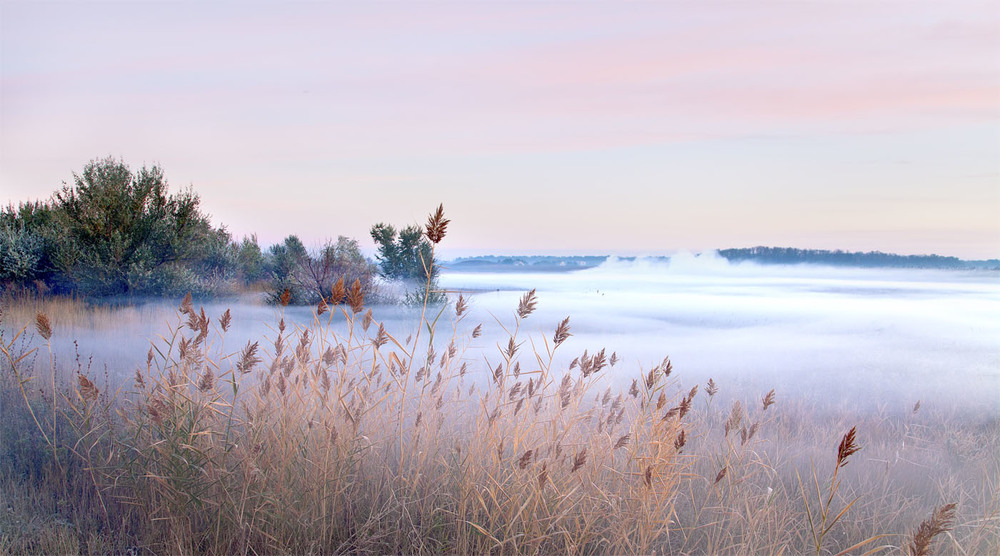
(596,128)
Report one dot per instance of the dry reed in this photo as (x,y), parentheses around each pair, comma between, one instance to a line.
(334,436)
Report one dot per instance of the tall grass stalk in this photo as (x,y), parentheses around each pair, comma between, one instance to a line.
(336,436)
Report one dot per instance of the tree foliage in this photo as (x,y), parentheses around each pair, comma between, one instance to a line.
(407,256)
(309,277)
(114,232)
(124,234)
(404,255)
(27,239)
(342,259)
(117,232)
(283,260)
(790,255)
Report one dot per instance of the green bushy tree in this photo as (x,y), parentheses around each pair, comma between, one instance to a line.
(250,261)
(27,240)
(282,261)
(406,256)
(403,255)
(124,234)
(116,232)
(21,253)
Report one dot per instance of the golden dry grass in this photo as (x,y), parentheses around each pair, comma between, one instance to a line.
(329,438)
(320,442)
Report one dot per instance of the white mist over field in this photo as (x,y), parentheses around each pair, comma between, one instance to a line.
(873,339)
(837,338)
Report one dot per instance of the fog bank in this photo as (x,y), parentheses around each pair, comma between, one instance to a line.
(851,339)
(841,336)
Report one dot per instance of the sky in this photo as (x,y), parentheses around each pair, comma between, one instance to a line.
(556,127)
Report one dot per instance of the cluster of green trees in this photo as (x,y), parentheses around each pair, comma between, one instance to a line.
(119,233)
(790,255)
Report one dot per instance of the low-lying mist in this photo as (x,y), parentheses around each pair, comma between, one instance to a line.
(848,339)
(858,338)
(334,437)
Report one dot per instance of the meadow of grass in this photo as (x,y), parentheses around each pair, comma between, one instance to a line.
(336,436)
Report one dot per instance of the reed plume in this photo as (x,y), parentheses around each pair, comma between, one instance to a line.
(942,520)
(356,297)
(436,226)
(847,447)
(768,400)
(43,326)
(88,391)
(338,291)
(527,304)
(562,332)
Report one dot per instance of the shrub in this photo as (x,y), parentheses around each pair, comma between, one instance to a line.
(121,228)
(403,255)
(282,261)
(21,253)
(407,256)
(27,235)
(309,277)
(116,232)
(250,262)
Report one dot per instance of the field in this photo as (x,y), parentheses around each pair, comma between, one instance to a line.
(493,425)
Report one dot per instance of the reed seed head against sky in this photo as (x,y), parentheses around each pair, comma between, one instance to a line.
(596,127)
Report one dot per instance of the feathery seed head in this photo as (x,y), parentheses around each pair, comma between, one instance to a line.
(847,447)
(225,320)
(437,225)
(768,400)
(356,297)
(622,442)
(338,291)
(711,388)
(88,391)
(562,332)
(43,325)
(525,459)
(719,477)
(527,304)
(680,440)
(207,381)
(941,521)
(248,358)
(381,337)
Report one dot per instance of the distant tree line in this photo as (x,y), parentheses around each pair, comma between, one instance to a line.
(788,255)
(529,263)
(119,233)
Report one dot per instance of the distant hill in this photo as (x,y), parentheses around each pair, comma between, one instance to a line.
(871,259)
(526,263)
(760,255)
